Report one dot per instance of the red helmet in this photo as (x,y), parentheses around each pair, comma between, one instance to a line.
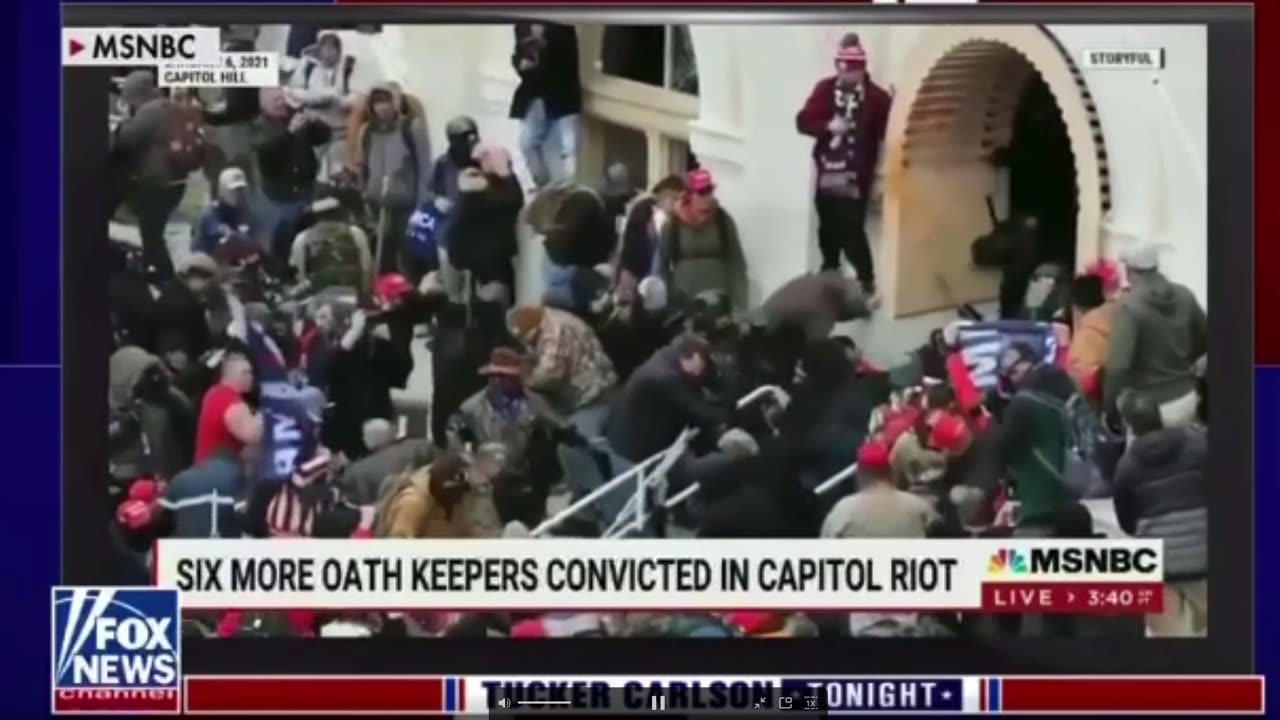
(392,286)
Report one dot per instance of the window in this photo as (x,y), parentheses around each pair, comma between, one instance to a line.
(680,158)
(657,55)
(624,145)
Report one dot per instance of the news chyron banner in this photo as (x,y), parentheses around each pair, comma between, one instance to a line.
(181,57)
(1055,576)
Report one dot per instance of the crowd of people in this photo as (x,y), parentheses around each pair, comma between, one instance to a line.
(252,381)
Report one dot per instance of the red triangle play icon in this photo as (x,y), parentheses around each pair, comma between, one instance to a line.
(76,47)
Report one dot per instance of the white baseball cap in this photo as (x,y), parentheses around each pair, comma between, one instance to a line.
(232,178)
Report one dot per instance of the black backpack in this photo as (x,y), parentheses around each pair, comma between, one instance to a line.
(1000,247)
(348,67)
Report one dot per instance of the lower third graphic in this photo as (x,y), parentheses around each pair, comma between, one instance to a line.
(116,650)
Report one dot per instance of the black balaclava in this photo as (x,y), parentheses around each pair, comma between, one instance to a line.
(153,386)
(463,136)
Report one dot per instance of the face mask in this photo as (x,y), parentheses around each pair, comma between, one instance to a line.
(153,385)
(505,387)
(460,148)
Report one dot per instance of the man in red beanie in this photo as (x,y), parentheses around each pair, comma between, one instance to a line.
(878,509)
(846,115)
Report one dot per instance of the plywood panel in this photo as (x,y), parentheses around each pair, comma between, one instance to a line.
(947,209)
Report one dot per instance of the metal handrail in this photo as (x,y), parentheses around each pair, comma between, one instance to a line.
(576,507)
(834,481)
(823,488)
(661,462)
(675,451)
(636,505)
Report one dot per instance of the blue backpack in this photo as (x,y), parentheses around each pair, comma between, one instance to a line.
(422,238)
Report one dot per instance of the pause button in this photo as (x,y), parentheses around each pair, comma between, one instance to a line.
(657,702)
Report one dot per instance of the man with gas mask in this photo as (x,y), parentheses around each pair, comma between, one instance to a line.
(462,135)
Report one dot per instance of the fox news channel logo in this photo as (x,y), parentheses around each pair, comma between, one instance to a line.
(116,650)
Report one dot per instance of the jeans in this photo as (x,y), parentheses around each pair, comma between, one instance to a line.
(1035,624)
(559,283)
(619,465)
(274,213)
(153,206)
(453,278)
(332,157)
(536,129)
(582,471)
(842,228)
(392,225)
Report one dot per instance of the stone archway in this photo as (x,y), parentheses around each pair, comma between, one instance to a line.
(956,104)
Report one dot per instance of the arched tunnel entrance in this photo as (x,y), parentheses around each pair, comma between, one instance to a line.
(1005,118)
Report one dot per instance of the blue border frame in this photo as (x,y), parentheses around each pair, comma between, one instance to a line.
(33,271)
(1265,498)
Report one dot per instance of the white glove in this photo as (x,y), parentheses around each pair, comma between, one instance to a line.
(356,331)
(837,126)
(431,284)
(366,517)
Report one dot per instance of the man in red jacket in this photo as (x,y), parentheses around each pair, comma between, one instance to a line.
(846,114)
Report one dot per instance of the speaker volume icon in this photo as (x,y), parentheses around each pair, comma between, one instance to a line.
(504,702)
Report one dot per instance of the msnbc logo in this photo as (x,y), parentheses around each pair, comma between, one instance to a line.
(1007,561)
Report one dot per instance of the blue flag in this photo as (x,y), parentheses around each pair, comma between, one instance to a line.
(983,343)
(422,236)
(290,416)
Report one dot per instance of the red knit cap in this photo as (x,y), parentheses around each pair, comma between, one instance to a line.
(851,55)
(700,180)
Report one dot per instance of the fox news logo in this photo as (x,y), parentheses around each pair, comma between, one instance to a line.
(115,650)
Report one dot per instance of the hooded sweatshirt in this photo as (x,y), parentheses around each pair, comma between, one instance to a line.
(139,148)
(1033,442)
(1158,332)
(324,87)
(1160,493)
(161,452)
(396,151)
(700,251)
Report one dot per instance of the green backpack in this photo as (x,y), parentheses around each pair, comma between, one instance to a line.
(333,256)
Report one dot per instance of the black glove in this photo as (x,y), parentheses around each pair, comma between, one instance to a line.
(569,435)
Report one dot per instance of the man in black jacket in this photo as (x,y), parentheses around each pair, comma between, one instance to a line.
(549,98)
(1160,494)
(662,398)
(230,120)
(285,144)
